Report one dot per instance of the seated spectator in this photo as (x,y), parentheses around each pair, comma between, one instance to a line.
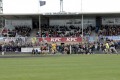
(65,31)
(107,30)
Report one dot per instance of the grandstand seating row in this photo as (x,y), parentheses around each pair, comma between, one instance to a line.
(60,31)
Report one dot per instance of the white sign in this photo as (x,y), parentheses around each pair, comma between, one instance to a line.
(30,50)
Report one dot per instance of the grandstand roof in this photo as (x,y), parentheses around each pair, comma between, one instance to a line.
(56,15)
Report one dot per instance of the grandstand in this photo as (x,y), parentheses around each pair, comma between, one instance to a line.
(60,27)
(60,22)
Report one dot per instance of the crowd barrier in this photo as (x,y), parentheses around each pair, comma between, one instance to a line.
(98,38)
(26,48)
(113,37)
(41,39)
(56,39)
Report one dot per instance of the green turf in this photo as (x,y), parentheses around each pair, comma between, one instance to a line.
(71,67)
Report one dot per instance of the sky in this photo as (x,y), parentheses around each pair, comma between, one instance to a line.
(88,6)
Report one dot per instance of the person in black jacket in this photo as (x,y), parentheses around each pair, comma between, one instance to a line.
(33,51)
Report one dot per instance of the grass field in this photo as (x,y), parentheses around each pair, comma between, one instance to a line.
(65,67)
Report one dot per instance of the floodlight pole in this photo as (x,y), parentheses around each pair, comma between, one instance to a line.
(61,5)
(1,7)
(40,24)
(1,17)
(1,12)
(39,7)
(82,28)
(82,23)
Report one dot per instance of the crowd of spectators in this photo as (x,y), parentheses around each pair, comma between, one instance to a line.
(73,31)
(112,30)
(90,48)
(82,48)
(79,48)
(21,31)
(64,31)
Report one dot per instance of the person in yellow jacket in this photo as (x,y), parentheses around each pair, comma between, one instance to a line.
(54,45)
(107,47)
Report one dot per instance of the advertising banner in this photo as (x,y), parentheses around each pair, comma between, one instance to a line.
(61,39)
(113,37)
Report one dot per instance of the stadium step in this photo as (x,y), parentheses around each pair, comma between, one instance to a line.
(33,32)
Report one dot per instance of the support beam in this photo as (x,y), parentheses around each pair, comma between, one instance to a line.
(82,28)
(61,5)
(40,25)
